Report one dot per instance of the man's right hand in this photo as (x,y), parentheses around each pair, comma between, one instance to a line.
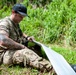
(30,38)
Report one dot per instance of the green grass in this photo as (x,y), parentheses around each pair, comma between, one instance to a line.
(17,70)
(53,23)
(68,54)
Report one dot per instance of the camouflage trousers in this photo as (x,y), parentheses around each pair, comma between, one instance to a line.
(27,57)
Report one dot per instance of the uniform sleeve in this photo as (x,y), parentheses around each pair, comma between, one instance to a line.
(4,27)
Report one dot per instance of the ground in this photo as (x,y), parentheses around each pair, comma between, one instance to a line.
(17,70)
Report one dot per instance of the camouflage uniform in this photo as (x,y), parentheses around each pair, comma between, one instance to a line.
(24,56)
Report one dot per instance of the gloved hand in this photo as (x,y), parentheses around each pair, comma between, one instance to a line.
(30,38)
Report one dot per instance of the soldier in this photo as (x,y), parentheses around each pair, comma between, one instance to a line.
(12,49)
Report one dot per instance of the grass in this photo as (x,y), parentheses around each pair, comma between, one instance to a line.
(68,54)
(17,70)
(56,22)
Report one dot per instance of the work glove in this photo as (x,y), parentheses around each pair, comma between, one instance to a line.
(30,38)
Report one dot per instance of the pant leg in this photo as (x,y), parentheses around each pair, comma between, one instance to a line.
(7,58)
(28,57)
(1,57)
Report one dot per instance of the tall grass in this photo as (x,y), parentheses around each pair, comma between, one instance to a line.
(53,23)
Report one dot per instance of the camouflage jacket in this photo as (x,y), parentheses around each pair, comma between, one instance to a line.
(13,30)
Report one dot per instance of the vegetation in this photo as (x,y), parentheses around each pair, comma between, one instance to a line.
(52,22)
(17,70)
